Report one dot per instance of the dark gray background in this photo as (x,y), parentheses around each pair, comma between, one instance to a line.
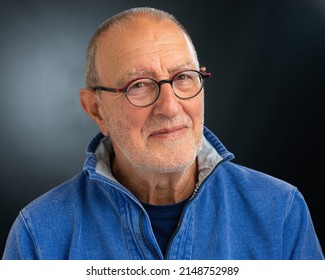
(263,102)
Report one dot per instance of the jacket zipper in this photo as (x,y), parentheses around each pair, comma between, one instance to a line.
(151,249)
(196,190)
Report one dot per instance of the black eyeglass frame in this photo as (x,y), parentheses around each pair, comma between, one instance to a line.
(124,90)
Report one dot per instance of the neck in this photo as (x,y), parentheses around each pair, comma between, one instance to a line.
(157,188)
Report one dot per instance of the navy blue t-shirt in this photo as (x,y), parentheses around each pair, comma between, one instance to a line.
(164,220)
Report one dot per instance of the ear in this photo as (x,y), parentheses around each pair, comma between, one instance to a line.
(91,104)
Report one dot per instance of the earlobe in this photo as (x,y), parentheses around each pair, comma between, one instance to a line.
(90,103)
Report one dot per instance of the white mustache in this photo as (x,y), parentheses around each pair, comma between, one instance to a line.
(160,123)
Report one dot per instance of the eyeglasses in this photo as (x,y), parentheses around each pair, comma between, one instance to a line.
(143,92)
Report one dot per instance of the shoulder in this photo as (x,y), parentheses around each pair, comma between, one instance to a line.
(47,220)
(64,197)
(251,187)
(254,179)
(255,193)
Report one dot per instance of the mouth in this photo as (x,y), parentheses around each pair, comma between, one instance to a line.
(168,132)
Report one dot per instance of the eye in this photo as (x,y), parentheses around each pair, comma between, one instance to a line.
(185,79)
(140,88)
(137,85)
(183,76)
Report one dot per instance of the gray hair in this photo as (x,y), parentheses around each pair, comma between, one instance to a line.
(122,19)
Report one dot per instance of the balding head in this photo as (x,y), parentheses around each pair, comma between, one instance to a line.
(125,20)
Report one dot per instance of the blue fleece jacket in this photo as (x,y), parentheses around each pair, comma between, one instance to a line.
(234,213)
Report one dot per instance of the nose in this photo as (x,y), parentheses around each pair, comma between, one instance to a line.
(167,104)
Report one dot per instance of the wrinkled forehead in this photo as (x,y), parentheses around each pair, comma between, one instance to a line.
(143,37)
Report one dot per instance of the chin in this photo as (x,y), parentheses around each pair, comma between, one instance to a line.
(170,161)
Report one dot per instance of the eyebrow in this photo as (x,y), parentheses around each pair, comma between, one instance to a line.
(144,72)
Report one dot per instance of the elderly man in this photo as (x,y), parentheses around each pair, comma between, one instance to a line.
(157,184)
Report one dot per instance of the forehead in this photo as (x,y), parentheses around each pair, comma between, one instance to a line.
(144,45)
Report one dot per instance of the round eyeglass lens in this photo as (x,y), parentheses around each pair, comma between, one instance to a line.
(187,84)
(142,92)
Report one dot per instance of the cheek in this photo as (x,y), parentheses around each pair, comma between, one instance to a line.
(128,121)
(134,117)
(195,111)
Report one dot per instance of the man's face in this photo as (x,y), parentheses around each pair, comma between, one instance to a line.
(166,136)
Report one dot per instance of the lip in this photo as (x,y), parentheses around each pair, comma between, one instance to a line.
(166,132)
